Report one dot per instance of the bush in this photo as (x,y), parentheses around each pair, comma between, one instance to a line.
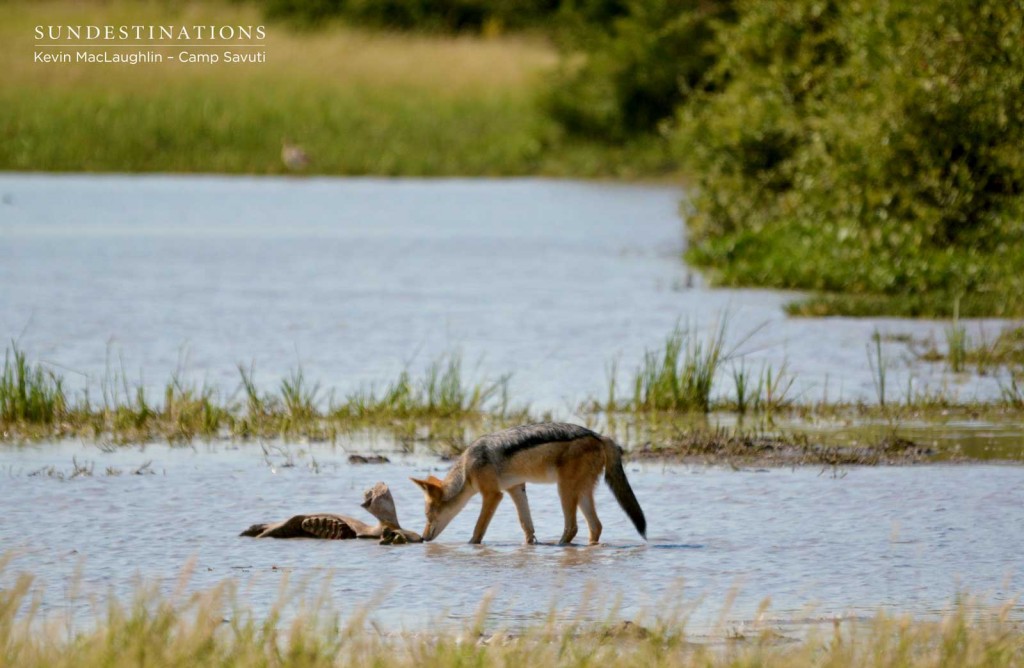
(870,148)
(425,15)
(636,61)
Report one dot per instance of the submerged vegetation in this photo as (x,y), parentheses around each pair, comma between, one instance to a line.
(211,628)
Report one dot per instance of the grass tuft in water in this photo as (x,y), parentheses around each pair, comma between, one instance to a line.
(957,341)
(1012,392)
(879,367)
(771,393)
(29,393)
(299,396)
(741,379)
(191,410)
(442,392)
(680,376)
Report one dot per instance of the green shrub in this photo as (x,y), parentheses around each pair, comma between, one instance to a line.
(866,148)
(634,63)
(423,15)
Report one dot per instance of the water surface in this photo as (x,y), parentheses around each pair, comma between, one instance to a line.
(357,278)
(818,543)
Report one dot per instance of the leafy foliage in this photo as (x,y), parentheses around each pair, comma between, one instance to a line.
(868,151)
(642,58)
(867,148)
(423,15)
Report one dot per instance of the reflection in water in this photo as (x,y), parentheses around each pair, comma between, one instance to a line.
(904,538)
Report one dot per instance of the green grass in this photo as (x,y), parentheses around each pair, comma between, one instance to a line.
(985,355)
(359,102)
(865,152)
(441,392)
(1005,351)
(957,341)
(441,402)
(210,628)
(771,393)
(1012,392)
(680,376)
(879,366)
(674,388)
(933,303)
(29,393)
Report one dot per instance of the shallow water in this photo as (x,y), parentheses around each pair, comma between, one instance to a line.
(356,278)
(817,542)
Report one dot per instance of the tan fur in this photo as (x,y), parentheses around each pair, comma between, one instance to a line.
(484,468)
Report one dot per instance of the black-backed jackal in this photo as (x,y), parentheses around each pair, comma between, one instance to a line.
(566,454)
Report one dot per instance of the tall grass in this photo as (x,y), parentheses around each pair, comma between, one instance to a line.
(672,384)
(680,376)
(299,396)
(957,341)
(879,366)
(1012,392)
(210,628)
(359,102)
(29,393)
(442,392)
(33,404)
(193,410)
(769,395)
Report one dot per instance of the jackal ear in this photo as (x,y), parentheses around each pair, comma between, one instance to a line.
(434,480)
(431,485)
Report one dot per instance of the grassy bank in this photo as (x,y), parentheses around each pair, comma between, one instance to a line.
(359,103)
(211,629)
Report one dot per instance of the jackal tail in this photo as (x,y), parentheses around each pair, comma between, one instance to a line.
(615,476)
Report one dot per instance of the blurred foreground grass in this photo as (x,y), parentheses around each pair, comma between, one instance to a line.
(211,628)
(359,102)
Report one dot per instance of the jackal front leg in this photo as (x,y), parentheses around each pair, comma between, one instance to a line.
(518,494)
(490,504)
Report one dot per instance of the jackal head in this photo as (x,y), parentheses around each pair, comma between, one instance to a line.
(439,512)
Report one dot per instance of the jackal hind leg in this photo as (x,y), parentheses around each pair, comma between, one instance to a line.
(570,499)
(518,494)
(590,513)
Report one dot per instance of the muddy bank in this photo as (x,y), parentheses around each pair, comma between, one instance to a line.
(727,447)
